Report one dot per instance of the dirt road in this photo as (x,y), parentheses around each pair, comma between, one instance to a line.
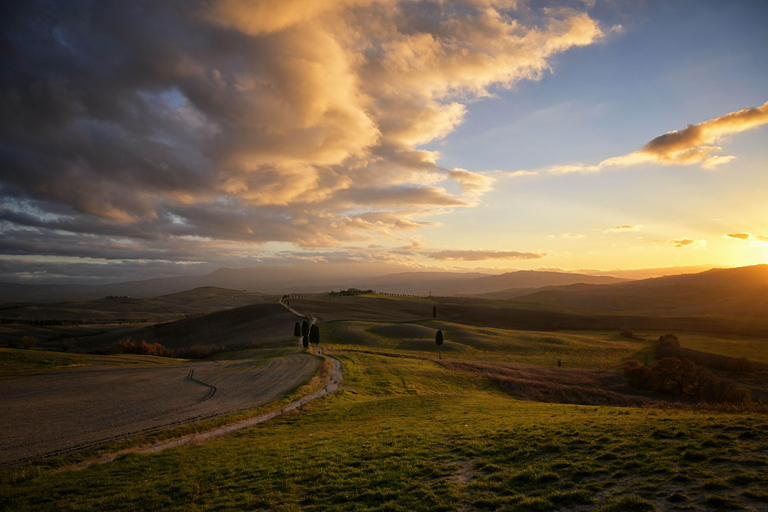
(333,384)
(54,413)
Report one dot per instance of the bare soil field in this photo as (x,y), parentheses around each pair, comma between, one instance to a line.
(111,317)
(263,325)
(57,412)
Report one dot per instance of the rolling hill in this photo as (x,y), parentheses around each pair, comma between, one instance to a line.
(278,280)
(739,291)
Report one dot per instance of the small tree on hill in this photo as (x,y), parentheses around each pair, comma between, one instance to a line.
(627,333)
(669,340)
(297,329)
(439,341)
(305,328)
(314,335)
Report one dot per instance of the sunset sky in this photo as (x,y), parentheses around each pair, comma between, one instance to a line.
(155,138)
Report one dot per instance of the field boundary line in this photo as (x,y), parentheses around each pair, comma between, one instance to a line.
(332,385)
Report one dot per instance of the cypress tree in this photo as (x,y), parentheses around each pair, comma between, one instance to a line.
(314,335)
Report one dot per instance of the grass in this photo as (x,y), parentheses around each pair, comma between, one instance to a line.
(20,361)
(408,434)
(728,345)
(575,349)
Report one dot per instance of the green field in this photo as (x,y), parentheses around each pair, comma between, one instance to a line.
(594,350)
(16,362)
(407,434)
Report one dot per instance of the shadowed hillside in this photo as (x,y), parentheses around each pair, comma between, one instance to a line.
(52,323)
(517,314)
(262,325)
(730,292)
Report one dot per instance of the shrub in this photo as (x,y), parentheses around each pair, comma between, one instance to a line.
(201,351)
(637,374)
(669,340)
(127,346)
(627,333)
(28,341)
(682,376)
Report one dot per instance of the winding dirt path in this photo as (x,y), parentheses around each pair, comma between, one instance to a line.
(50,414)
(332,385)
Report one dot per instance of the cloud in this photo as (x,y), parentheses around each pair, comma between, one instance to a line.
(515,174)
(688,242)
(478,255)
(139,125)
(570,236)
(623,229)
(472,183)
(415,245)
(695,144)
(757,240)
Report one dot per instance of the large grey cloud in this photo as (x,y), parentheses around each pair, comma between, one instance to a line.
(147,125)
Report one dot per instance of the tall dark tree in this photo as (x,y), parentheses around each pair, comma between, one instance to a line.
(305,341)
(314,335)
(434,311)
(305,328)
(297,329)
(439,341)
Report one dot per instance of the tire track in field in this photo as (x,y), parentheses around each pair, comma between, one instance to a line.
(212,388)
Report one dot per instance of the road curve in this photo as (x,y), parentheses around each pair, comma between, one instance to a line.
(332,385)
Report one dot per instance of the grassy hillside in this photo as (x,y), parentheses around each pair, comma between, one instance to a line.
(262,325)
(596,350)
(737,292)
(131,309)
(409,434)
(518,315)
(51,322)
(14,362)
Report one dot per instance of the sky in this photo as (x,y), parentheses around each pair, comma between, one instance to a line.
(156,138)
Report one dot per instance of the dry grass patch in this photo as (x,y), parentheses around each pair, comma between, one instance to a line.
(555,385)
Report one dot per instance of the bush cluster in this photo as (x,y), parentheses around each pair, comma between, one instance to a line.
(201,351)
(127,346)
(682,376)
(627,333)
(714,361)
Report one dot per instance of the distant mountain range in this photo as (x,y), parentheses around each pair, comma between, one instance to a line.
(310,279)
(726,292)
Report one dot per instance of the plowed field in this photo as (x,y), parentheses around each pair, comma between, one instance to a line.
(63,411)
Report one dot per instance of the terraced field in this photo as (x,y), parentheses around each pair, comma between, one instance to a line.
(57,412)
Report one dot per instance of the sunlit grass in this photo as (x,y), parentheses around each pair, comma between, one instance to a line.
(750,347)
(19,361)
(574,349)
(407,434)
